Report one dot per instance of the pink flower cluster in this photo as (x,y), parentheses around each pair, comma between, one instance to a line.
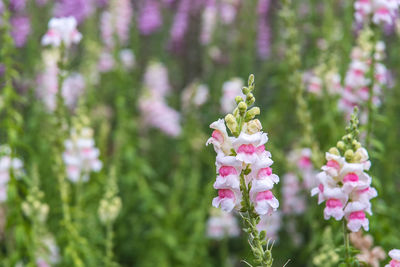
(221,224)
(249,152)
(81,156)
(346,188)
(6,164)
(357,84)
(152,104)
(395,255)
(381,11)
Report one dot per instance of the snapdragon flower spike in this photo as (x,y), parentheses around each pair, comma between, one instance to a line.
(344,184)
(243,154)
(395,255)
(62,31)
(380,12)
(81,156)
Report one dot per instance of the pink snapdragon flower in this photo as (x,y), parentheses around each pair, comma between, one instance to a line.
(250,151)
(395,255)
(62,31)
(231,89)
(346,188)
(81,157)
(6,165)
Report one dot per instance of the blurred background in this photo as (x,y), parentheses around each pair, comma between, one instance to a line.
(143,84)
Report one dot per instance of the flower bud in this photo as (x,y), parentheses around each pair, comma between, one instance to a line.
(341,145)
(334,150)
(238,99)
(231,123)
(349,154)
(245,90)
(252,113)
(253,126)
(356,144)
(242,107)
(250,99)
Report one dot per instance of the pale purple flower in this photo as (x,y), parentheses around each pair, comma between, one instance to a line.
(79,9)
(73,87)
(127,58)
(264,31)
(293,201)
(106,62)
(149,19)
(21,28)
(156,113)
(17,5)
(180,24)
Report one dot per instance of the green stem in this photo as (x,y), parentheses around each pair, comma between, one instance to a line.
(109,244)
(251,218)
(346,244)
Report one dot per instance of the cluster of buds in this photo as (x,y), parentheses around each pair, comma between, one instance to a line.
(344,184)
(359,79)
(382,12)
(62,31)
(242,161)
(8,164)
(395,255)
(81,156)
(110,204)
(33,207)
(222,224)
